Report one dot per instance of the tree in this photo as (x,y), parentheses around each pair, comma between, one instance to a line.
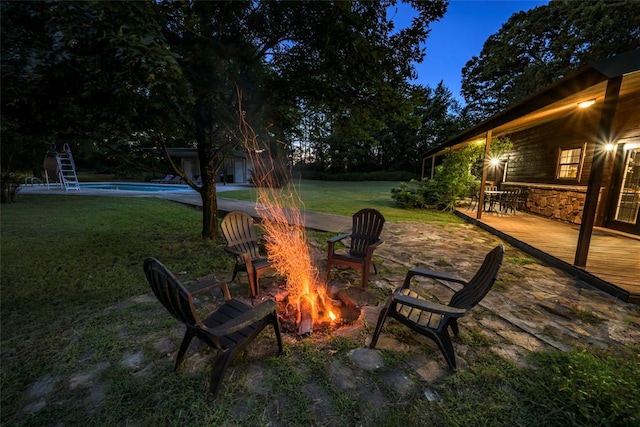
(66,78)
(177,72)
(429,117)
(27,97)
(383,139)
(441,117)
(535,48)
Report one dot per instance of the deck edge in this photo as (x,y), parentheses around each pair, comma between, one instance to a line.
(581,274)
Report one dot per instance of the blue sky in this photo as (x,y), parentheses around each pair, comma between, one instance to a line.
(459,36)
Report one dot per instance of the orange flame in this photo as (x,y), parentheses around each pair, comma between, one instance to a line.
(282,221)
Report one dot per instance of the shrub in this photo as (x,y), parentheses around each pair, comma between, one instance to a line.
(417,194)
(452,180)
(406,196)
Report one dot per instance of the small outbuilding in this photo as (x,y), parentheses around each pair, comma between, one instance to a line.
(236,168)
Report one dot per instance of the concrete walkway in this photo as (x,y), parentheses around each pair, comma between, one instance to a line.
(312,220)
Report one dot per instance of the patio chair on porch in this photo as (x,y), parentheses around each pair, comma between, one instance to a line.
(431,319)
(363,240)
(229,329)
(489,198)
(509,200)
(474,199)
(521,203)
(238,229)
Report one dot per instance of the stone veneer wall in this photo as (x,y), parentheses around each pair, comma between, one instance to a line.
(558,204)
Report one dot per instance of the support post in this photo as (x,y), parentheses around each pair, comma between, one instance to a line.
(483,180)
(604,136)
(433,166)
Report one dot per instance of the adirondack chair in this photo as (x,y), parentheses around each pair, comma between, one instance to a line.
(431,319)
(238,229)
(364,239)
(229,329)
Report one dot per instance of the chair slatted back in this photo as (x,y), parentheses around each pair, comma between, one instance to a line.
(482,281)
(522,198)
(238,229)
(366,228)
(170,292)
(512,193)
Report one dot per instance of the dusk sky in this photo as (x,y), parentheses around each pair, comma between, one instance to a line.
(459,36)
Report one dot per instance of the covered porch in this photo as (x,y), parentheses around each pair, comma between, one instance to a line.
(613,264)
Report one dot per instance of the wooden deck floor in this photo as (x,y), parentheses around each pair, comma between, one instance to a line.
(613,264)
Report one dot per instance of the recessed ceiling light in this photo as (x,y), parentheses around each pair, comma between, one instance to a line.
(586,104)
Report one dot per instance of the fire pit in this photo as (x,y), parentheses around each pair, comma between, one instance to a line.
(322,311)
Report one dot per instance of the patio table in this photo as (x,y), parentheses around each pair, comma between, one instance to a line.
(494,196)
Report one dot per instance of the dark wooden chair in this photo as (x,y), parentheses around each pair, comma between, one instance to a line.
(239,231)
(364,238)
(521,203)
(491,199)
(475,198)
(431,319)
(229,329)
(509,200)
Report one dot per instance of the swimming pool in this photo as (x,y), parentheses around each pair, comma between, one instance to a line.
(142,187)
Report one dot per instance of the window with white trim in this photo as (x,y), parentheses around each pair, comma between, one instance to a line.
(570,163)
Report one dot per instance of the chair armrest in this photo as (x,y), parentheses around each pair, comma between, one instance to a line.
(337,238)
(432,307)
(245,256)
(423,272)
(209,284)
(374,246)
(233,251)
(245,319)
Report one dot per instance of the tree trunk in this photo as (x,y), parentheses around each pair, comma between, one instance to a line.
(209,206)
(209,164)
(8,191)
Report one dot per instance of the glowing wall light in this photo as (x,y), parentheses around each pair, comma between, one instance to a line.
(586,104)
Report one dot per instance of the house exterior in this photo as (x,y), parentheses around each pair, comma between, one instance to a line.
(576,149)
(236,169)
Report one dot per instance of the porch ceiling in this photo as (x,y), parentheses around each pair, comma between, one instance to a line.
(555,102)
(566,106)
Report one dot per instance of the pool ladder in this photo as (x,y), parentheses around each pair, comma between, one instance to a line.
(67,169)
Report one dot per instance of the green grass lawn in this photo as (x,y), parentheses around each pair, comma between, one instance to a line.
(75,304)
(345,198)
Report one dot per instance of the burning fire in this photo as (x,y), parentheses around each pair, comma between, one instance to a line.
(286,245)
